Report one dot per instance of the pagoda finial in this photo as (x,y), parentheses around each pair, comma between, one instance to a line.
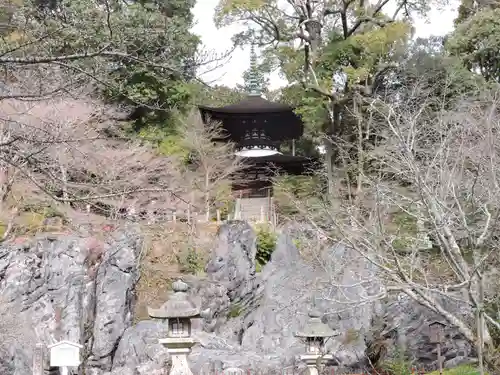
(253,79)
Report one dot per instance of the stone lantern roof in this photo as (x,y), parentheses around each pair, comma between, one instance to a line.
(179,305)
(315,327)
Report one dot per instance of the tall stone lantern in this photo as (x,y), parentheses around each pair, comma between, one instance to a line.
(315,334)
(178,310)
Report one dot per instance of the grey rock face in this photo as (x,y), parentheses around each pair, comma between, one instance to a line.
(261,322)
(233,260)
(70,288)
(288,288)
(231,277)
(139,345)
(410,322)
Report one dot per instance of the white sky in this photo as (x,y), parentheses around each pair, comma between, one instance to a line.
(440,22)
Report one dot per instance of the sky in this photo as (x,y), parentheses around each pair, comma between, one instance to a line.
(218,41)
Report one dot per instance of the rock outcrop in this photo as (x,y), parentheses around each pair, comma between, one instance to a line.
(81,289)
(68,287)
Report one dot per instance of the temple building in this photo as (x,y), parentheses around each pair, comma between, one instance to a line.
(259,127)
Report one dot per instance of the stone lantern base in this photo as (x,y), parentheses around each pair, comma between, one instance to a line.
(179,348)
(311,361)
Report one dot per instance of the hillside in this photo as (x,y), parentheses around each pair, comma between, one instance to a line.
(72,160)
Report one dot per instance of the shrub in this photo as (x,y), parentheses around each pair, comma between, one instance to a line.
(235,311)
(399,365)
(191,261)
(300,187)
(266,243)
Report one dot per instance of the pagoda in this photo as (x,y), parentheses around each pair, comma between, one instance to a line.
(258,128)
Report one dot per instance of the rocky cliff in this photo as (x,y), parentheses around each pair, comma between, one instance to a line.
(77,288)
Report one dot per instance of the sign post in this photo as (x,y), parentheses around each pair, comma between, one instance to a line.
(65,354)
(38,359)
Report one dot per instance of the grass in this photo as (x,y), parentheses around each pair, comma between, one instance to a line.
(459,370)
(170,250)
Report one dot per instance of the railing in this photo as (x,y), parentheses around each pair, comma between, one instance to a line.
(251,209)
(258,210)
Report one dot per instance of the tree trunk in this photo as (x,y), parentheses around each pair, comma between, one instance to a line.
(207,196)
(360,158)
(329,166)
(64,179)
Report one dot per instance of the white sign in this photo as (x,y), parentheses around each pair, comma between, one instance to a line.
(65,354)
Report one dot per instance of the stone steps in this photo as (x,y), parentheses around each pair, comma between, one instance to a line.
(251,209)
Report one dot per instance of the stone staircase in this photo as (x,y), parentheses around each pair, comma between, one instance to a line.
(252,209)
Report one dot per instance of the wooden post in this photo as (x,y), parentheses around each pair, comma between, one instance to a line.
(174,217)
(293,147)
(436,336)
(272,211)
(440,361)
(237,208)
(38,359)
(218,217)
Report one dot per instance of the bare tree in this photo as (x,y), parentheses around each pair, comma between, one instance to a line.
(215,162)
(429,214)
(63,149)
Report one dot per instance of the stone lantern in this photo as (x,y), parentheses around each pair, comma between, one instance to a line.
(315,334)
(178,311)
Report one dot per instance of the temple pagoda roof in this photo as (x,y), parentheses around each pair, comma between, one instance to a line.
(251,104)
(255,112)
(287,163)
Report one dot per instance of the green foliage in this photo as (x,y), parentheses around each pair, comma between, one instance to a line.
(404,226)
(399,365)
(258,267)
(300,188)
(191,261)
(360,55)
(405,222)
(235,310)
(310,106)
(460,370)
(265,243)
(224,201)
(297,243)
(172,145)
(47,211)
(213,96)
(476,42)
(142,53)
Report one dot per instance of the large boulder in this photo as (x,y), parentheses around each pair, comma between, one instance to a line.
(69,287)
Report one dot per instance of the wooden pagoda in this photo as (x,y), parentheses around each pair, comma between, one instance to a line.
(258,127)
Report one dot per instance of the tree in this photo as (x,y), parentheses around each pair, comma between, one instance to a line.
(69,153)
(476,42)
(437,177)
(137,54)
(468,8)
(212,164)
(343,48)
